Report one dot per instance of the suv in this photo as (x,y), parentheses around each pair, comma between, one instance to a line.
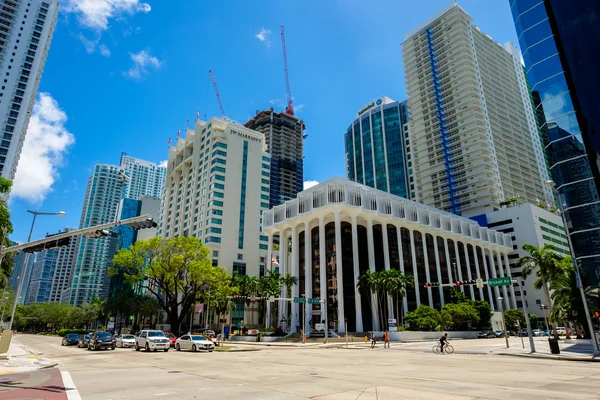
(152,340)
(101,340)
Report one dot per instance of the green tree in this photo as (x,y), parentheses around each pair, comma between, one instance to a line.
(396,283)
(514,319)
(461,314)
(533,320)
(288,280)
(484,311)
(177,271)
(424,318)
(6,228)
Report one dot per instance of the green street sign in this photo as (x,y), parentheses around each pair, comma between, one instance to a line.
(504,281)
(131,317)
(314,301)
(300,300)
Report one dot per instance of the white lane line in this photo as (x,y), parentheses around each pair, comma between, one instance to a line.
(70,389)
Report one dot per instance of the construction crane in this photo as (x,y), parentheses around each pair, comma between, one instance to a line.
(214,82)
(290,107)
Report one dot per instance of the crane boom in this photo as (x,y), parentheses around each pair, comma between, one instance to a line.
(214,82)
(290,107)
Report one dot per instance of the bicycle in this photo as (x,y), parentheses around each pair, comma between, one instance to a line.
(448,349)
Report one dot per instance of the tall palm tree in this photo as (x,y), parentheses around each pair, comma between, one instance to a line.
(369,284)
(397,283)
(546,263)
(269,285)
(288,280)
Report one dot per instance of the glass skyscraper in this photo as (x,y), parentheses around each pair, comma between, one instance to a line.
(560,41)
(374,145)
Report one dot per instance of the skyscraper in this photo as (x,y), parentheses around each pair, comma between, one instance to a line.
(64,269)
(40,283)
(217,189)
(473,139)
(25,34)
(284,137)
(560,41)
(146,178)
(16,272)
(374,145)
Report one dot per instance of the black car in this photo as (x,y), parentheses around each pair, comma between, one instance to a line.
(486,334)
(70,339)
(84,340)
(102,340)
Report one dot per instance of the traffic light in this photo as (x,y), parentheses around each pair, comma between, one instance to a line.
(49,245)
(432,284)
(148,223)
(597,314)
(97,234)
(458,283)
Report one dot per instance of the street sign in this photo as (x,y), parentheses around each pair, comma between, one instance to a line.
(479,283)
(504,281)
(300,300)
(131,317)
(252,298)
(314,301)
(271,299)
(392,325)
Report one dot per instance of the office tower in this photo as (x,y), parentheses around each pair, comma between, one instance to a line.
(40,283)
(16,272)
(560,41)
(26,29)
(63,271)
(374,145)
(284,137)
(472,131)
(146,178)
(217,188)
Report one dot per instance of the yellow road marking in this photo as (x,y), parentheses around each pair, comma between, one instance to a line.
(7,371)
(31,356)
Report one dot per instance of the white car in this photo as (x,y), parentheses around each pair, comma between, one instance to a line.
(152,340)
(561,331)
(125,341)
(194,343)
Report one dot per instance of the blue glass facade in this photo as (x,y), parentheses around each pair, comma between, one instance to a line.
(42,275)
(560,41)
(374,144)
(126,236)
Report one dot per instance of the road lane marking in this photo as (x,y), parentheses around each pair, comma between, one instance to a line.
(70,388)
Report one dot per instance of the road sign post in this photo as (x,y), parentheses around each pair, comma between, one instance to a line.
(504,281)
(479,283)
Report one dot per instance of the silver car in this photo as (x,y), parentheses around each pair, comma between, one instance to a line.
(194,343)
(125,341)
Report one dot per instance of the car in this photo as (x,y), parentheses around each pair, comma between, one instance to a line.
(84,340)
(486,334)
(70,339)
(125,340)
(152,340)
(194,343)
(561,331)
(172,338)
(208,332)
(538,332)
(523,333)
(499,334)
(101,340)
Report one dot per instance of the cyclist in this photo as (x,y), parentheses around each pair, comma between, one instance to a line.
(443,341)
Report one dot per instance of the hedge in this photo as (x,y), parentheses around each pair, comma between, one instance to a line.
(63,332)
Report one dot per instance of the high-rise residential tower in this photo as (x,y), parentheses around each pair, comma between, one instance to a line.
(40,283)
(473,138)
(560,41)
(374,145)
(146,178)
(217,189)
(26,29)
(284,137)
(64,269)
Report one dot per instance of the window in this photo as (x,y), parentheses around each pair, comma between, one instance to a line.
(240,256)
(264,189)
(265,158)
(239,268)
(264,247)
(264,197)
(264,181)
(216,221)
(265,173)
(264,205)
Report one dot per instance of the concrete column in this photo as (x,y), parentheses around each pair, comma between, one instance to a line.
(427,275)
(401,255)
(458,265)
(451,278)
(469,274)
(308,273)
(439,269)
(487,277)
(355,262)
(371,247)
(323,269)
(386,262)
(414,263)
(282,256)
(339,273)
(269,267)
(294,272)
(512,288)
(477,270)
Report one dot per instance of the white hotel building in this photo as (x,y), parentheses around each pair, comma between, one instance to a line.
(217,188)
(473,138)
(344,229)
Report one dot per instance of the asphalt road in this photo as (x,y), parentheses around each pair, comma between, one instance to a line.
(316,373)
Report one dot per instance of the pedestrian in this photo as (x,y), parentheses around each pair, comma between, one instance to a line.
(386,340)
(373,340)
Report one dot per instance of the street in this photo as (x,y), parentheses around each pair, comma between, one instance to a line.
(404,371)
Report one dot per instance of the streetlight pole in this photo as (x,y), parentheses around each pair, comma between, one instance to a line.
(503,322)
(552,184)
(304,320)
(25,260)
(527,321)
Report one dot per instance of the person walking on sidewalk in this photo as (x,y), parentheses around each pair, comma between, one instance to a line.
(373,340)
(386,340)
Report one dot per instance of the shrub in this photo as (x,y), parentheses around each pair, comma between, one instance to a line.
(63,332)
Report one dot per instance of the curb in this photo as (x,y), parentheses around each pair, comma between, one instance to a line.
(550,357)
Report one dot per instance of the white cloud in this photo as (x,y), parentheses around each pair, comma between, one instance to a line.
(105,51)
(263,36)
(163,163)
(141,62)
(89,44)
(46,143)
(95,14)
(309,184)
(299,108)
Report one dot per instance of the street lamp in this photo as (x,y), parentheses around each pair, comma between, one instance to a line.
(25,259)
(552,185)
(503,322)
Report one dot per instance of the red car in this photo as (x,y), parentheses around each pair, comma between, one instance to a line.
(172,338)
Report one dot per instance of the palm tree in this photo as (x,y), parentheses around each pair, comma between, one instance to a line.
(288,280)
(546,263)
(369,284)
(397,283)
(269,285)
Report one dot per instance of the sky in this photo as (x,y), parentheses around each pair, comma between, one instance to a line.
(126,75)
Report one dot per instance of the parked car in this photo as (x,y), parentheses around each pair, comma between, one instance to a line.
(84,340)
(538,332)
(499,334)
(194,343)
(125,340)
(172,338)
(486,334)
(561,331)
(101,340)
(70,339)
(152,340)
(523,333)
(208,332)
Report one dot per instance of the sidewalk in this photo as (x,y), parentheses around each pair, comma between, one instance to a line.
(22,359)
(570,350)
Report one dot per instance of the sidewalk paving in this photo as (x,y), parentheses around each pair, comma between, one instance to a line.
(570,350)
(22,359)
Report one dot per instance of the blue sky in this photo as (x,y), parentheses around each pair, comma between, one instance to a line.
(128,73)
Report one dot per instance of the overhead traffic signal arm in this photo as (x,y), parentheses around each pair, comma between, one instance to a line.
(456,284)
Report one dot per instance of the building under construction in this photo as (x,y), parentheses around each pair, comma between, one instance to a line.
(284,135)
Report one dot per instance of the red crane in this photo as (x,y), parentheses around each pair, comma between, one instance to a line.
(214,82)
(290,107)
